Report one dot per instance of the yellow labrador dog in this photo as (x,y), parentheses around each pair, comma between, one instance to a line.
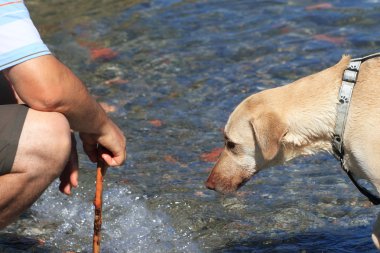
(277,125)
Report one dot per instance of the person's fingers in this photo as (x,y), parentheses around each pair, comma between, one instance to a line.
(106,155)
(68,179)
(61,187)
(64,178)
(65,188)
(74,168)
(74,178)
(69,176)
(110,158)
(113,160)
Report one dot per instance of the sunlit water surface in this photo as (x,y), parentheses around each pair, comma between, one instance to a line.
(170,72)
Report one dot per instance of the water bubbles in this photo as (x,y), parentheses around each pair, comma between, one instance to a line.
(128,225)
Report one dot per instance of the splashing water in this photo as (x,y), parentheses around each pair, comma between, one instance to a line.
(128,225)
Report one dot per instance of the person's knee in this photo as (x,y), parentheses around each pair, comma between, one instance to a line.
(57,141)
(46,142)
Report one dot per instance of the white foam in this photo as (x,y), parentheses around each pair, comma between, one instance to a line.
(128,225)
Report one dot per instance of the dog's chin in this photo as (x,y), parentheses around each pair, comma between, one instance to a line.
(227,189)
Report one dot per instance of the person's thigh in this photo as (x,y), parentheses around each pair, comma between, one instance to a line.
(43,150)
(12,119)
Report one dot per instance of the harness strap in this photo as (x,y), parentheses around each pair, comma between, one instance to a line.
(370,196)
(348,83)
(349,80)
(363,59)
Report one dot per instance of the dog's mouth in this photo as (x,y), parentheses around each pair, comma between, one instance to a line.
(225,186)
(245,180)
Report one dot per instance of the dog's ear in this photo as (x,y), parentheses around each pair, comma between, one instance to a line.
(269,131)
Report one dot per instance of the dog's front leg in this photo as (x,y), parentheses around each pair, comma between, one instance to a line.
(376,232)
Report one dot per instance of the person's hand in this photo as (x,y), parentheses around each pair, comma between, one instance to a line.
(69,176)
(113,144)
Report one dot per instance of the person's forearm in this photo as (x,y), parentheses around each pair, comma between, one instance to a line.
(46,84)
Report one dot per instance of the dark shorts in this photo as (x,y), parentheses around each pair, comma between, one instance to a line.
(12,119)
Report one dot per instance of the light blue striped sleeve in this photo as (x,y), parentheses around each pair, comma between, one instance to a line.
(19,38)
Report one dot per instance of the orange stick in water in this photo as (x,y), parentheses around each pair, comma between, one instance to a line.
(100,173)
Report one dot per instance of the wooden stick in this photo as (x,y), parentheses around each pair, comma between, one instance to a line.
(100,173)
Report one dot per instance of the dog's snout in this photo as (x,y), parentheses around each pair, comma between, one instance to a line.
(210,184)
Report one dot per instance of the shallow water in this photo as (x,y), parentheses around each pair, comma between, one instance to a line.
(170,72)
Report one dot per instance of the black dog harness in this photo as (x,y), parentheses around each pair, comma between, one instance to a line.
(349,80)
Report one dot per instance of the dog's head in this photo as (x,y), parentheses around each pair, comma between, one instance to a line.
(253,137)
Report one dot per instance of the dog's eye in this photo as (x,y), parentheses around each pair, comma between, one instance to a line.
(230,145)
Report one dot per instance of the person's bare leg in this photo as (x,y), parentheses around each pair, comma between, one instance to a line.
(42,153)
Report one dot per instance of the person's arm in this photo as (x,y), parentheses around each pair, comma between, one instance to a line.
(45,84)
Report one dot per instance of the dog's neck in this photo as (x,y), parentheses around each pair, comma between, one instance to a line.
(312,111)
